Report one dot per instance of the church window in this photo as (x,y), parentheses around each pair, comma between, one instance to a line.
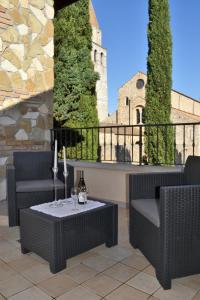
(143,116)
(127,101)
(102,58)
(95,55)
(140,84)
(138,116)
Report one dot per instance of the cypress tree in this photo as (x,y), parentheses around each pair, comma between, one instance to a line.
(159,83)
(75,103)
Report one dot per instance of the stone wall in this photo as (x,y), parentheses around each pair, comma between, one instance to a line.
(26,78)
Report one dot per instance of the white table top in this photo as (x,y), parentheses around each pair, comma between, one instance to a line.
(66,208)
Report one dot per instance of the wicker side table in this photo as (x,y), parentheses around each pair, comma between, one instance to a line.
(57,239)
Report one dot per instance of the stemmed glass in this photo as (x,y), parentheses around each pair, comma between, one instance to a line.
(74,195)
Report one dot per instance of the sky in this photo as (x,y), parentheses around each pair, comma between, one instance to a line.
(124,26)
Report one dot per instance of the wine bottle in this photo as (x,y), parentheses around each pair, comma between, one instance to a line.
(82,196)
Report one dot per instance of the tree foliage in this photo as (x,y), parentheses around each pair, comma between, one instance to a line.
(75,103)
(159,82)
(75,79)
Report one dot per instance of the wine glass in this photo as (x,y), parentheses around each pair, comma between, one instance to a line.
(74,195)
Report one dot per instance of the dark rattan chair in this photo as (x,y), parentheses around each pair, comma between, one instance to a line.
(30,182)
(165,220)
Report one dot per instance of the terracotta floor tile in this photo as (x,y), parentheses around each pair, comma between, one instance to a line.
(150,270)
(177,292)
(37,273)
(99,263)
(31,294)
(117,253)
(125,292)
(102,285)
(57,285)
(197,296)
(80,273)
(14,284)
(121,272)
(23,263)
(79,293)
(76,260)
(192,282)
(136,261)
(145,283)
(5,271)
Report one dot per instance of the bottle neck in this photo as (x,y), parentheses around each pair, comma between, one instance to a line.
(82,175)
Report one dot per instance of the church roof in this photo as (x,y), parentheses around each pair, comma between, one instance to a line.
(93,18)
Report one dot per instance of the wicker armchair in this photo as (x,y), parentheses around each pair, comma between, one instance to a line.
(165,220)
(29,182)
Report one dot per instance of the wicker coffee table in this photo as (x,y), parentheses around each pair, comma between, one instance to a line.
(57,239)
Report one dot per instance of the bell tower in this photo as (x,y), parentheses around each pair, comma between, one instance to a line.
(99,58)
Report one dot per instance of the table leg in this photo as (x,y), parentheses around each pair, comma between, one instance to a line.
(24,250)
(56,266)
(113,228)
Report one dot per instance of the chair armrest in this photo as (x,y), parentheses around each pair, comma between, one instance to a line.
(10,175)
(143,186)
(179,226)
(179,205)
(177,197)
(11,193)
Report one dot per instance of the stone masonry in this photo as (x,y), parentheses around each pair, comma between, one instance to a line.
(26,78)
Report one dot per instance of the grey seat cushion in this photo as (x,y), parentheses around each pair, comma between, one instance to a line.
(37,185)
(149,209)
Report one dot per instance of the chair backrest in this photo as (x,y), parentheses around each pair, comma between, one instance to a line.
(33,165)
(192,170)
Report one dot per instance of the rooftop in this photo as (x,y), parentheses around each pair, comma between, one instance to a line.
(93,18)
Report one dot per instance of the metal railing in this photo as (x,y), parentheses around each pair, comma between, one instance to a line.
(131,143)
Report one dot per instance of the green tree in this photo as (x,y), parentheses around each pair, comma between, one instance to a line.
(75,103)
(159,83)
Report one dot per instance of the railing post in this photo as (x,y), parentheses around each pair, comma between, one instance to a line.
(140,145)
(52,138)
(193,140)
(98,148)
(184,144)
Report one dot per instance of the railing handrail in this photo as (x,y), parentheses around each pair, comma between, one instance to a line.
(108,141)
(128,126)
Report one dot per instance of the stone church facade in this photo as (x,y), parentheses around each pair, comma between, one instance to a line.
(131,103)
(184,108)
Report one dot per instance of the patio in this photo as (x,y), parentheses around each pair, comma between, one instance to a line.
(119,273)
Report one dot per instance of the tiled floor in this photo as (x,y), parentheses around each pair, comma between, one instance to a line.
(118,273)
